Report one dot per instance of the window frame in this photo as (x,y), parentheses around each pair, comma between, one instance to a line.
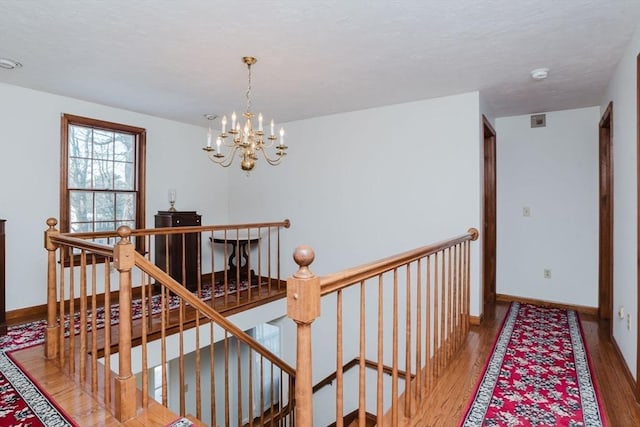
(139,135)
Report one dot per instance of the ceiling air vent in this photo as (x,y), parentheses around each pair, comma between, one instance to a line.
(538,120)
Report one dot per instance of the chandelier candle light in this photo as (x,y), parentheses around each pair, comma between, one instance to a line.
(245,141)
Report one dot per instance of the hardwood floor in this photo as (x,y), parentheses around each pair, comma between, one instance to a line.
(450,396)
(80,404)
(444,408)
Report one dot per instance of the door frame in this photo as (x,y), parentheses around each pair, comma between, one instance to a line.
(605,201)
(489,215)
(638,231)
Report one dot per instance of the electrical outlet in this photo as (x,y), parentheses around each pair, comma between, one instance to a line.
(547,273)
(526,211)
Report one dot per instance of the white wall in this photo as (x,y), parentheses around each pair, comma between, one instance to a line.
(29,172)
(553,171)
(622,91)
(365,185)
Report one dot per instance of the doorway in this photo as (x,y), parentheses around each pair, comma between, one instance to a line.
(488,214)
(605,173)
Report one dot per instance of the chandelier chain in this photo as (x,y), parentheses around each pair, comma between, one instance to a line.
(248,94)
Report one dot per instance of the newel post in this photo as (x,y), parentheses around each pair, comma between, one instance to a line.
(303,307)
(125,382)
(53,327)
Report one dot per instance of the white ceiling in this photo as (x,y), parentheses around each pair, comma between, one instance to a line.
(182,59)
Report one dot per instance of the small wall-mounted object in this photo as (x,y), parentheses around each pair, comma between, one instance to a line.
(538,120)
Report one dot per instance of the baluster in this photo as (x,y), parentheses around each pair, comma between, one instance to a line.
(407,344)
(379,381)
(363,356)
(339,363)
(419,330)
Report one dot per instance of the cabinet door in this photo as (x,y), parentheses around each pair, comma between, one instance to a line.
(172,251)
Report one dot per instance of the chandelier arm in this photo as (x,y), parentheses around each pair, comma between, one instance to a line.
(228,158)
(228,144)
(268,144)
(271,161)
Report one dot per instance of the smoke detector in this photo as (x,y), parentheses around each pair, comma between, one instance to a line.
(539,73)
(9,64)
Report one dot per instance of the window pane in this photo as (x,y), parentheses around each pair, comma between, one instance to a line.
(79,141)
(125,207)
(102,175)
(81,206)
(124,176)
(130,224)
(105,226)
(81,227)
(79,172)
(124,147)
(102,144)
(105,206)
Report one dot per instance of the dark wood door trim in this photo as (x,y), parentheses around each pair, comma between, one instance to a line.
(489,216)
(605,247)
(638,228)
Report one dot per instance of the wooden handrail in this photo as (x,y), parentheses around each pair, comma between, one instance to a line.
(355,362)
(348,277)
(78,243)
(177,230)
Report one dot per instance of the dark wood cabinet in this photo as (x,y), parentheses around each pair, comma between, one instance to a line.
(175,244)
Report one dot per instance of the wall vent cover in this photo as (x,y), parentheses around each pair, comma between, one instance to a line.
(538,120)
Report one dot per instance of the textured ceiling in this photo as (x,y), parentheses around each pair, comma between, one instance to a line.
(182,59)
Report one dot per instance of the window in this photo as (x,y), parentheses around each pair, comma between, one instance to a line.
(269,336)
(102,175)
(157,382)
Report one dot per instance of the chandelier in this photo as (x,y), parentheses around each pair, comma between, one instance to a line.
(242,139)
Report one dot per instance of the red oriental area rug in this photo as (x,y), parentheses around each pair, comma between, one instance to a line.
(22,401)
(539,374)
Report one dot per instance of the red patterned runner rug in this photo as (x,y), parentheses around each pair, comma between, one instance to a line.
(539,374)
(32,333)
(22,402)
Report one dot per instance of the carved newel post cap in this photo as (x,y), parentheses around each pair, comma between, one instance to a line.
(474,233)
(303,256)
(52,222)
(124,232)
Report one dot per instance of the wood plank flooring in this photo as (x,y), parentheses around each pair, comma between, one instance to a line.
(78,403)
(444,408)
(450,396)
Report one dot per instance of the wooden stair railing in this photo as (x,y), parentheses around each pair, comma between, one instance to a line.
(409,313)
(239,373)
(329,379)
